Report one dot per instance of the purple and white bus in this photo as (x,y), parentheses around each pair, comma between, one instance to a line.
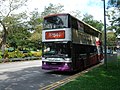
(68,44)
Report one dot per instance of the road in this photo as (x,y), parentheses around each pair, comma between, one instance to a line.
(27,75)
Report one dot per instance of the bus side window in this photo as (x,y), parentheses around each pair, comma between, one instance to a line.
(80,26)
(74,23)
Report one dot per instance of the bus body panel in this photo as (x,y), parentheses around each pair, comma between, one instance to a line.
(56,66)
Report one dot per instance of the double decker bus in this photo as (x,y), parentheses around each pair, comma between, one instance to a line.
(68,44)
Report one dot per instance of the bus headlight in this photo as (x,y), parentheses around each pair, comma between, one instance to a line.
(68,59)
(66,55)
(43,58)
(44,63)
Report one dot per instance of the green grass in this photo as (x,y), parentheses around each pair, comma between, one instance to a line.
(99,78)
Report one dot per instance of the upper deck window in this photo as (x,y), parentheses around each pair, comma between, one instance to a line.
(55,22)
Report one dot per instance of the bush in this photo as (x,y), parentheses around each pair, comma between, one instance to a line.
(6,55)
(28,54)
(37,53)
(19,54)
(0,57)
(16,54)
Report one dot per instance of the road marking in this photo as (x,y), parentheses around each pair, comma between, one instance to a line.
(68,79)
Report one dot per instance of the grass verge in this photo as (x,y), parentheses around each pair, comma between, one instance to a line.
(98,78)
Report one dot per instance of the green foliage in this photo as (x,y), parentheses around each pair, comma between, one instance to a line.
(35,24)
(37,35)
(97,79)
(16,54)
(114,19)
(35,20)
(114,3)
(28,54)
(37,54)
(0,57)
(5,55)
(76,14)
(90,20)
(118,58)
(6,9)
(52,9)
(113,14)
(111,39)
(18,33)
(19,54)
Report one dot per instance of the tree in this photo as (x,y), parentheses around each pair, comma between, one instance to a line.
(114,3)
(90,20)
(35,20)
(18,33)
(76,14)
(35,23)
(113,14)
(6,9)
(52,9)
(111,39)
(35,27)
(36,37)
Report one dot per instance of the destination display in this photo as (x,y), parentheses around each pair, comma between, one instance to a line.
(55,34)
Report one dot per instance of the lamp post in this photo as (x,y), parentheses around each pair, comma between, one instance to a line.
(105,38)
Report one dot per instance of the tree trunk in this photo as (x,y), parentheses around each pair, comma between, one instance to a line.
(3,42)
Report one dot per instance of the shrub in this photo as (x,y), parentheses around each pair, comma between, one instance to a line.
(37,53)
(16,54)
(6,55)
(0,57)
(11,54)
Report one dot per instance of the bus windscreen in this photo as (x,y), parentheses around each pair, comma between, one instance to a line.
(56,49)
(55,22)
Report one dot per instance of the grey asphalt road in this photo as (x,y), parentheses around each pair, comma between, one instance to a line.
(27,75)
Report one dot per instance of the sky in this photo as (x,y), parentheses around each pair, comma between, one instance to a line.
(92,7)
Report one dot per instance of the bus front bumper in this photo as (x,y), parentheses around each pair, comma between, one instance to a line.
(60,66)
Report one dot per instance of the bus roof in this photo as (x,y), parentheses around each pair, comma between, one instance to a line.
(91,27)
(56,15)
(75,18)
